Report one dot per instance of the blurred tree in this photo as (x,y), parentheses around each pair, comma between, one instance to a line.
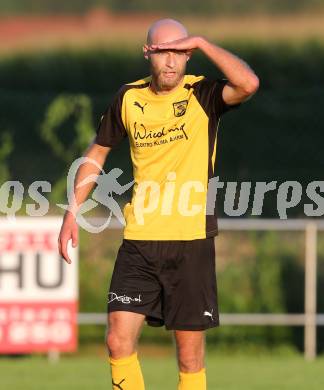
(58,112)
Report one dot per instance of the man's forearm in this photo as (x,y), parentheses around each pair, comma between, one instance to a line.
(81,193)
(84,171)
(235,70)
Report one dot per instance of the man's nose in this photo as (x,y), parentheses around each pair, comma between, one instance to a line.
(170,59)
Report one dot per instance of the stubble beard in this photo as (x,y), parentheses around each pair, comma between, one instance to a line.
(165,84)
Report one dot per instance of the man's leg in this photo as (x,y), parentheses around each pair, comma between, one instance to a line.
(123,331)
(190,346)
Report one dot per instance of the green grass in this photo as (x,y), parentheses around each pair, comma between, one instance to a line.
(224,371)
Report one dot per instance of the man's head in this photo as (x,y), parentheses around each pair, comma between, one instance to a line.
(167,66)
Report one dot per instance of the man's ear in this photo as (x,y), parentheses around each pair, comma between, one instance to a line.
(145,52)
(189,54)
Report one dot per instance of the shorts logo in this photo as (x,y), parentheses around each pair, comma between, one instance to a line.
(209,314)
(123,298)
(180,108)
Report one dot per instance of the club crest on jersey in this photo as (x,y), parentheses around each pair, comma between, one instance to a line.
(180,108)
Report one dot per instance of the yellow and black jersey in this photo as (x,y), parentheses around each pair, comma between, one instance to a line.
(173,149)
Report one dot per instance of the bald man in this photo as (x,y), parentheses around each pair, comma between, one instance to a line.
(165,268)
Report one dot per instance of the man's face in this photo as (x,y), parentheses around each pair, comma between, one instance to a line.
(168,67)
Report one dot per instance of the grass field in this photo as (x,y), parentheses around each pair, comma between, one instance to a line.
(243,372)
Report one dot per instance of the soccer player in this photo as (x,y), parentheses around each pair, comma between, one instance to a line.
(164,272)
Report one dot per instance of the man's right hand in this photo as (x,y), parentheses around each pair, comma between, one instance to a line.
(69,231)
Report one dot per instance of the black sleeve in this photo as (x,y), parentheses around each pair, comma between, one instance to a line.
(111,130)
(209,95)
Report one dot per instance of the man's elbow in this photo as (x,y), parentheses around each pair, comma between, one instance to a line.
(252,85)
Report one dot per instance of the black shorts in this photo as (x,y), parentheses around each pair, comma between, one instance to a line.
(172,282)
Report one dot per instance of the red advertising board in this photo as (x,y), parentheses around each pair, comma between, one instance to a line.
(38,290)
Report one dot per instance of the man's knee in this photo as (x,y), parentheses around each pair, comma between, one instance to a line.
(123,332)
(119,345)
(190,350)
(190,363)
